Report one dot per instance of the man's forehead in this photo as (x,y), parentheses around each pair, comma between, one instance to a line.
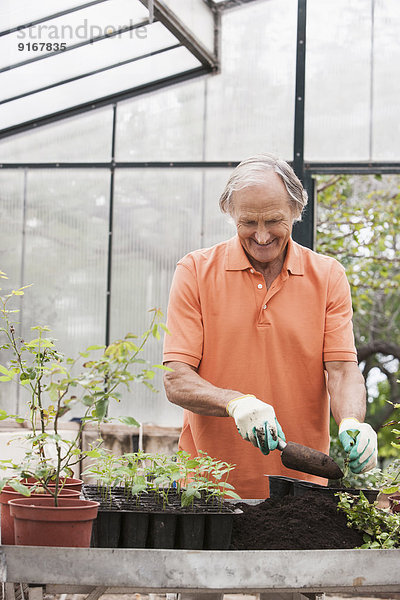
(270,212)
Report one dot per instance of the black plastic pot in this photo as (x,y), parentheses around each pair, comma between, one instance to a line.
(190,531)
(134,529)
(303,487)
(106,530)
(280,486)
(162,529)
(218,531)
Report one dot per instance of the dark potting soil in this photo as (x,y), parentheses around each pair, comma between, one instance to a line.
(308,522)
(118,500)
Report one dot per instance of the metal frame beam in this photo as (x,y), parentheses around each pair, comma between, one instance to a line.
(110,228)
(353,168)
(228,4)
(167,17)
(298,141)
(357,168)
(123,165)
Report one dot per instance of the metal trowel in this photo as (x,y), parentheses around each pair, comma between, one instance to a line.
(302,458)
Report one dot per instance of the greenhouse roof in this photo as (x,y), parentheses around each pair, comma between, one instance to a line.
(57,62)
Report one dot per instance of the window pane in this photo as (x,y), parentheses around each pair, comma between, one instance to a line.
(157,220)
(337,99)
(85,138)
(18,12)
(164,125)
(85,60)
(217,226)
(66,255)
(250,105)
(386,105)
(11,218)
(71,29)
(97,86)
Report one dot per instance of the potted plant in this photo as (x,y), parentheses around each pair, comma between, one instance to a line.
(159,501)
(54,385)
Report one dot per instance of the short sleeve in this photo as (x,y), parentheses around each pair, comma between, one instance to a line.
(338,335)
(184,343)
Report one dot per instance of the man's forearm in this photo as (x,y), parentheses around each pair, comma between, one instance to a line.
(346,388)
(187,389)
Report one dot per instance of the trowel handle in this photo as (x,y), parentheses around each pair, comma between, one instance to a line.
(281,444)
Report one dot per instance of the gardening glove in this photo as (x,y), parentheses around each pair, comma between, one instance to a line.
(256,422)
(363,450)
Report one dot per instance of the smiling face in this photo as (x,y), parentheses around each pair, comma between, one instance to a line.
(264,220)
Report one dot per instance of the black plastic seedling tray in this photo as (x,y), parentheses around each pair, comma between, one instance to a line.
(125,522)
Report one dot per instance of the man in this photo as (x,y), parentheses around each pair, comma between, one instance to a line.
(261,342)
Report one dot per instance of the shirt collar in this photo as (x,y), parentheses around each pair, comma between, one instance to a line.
(236,259)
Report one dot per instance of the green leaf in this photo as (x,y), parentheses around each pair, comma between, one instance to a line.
(101,408)
(95,347)
(7,375)
(129,421)
(390,490)
(20,488)
(165,328)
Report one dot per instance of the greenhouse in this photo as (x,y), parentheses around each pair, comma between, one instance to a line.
(121,122)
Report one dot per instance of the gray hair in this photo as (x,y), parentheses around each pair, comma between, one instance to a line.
(252,171)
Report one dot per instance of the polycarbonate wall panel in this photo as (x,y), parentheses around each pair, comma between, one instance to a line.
(217,226)
(250,104)
(386,82)
(157,220)
(71,29)
(164,125)
(66,255)
(11,220)
(99,85)
(197,17)
(103,54)
(338,80)
(17,12)
(84,138)
(12,242)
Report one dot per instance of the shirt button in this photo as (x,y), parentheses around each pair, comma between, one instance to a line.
(265,306)
(251,270)
(259,286)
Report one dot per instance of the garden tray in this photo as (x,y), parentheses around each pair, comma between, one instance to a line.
(125,523)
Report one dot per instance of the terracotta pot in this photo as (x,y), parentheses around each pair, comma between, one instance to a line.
(7,521)
(70,483)
(37,522)
(394,502)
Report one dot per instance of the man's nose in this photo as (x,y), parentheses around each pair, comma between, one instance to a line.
(262,235)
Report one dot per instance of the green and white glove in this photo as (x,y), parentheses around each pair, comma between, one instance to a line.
(256,422)
(363,450)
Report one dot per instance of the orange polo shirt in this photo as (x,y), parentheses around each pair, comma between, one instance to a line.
(270,343)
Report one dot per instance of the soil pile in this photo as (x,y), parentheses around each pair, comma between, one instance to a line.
(308,522)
